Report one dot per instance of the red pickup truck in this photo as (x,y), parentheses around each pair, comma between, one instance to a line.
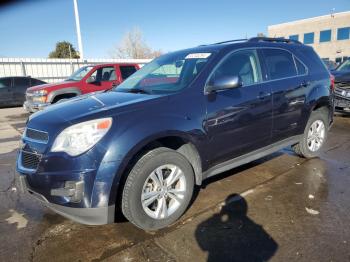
(86,79)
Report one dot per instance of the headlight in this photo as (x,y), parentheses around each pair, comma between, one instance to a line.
(40,92)
(79,138)
(40,96)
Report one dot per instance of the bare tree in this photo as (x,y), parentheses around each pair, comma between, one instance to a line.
(133,45)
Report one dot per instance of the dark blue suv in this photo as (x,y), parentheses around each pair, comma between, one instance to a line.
(141,148)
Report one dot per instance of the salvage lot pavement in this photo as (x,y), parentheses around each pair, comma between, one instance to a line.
(278,208)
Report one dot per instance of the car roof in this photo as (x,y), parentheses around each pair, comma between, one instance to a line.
(252,42)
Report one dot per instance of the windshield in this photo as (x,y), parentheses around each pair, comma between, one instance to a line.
(166,74)
(80,73)
(344,66)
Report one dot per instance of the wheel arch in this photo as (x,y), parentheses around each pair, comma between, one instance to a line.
(178,142)
(64,91)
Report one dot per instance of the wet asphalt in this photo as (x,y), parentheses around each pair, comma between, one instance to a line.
(279,208)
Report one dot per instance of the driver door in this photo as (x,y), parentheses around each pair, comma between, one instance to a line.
(239,120)
(105,78)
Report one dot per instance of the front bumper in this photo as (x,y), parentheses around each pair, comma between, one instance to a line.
(32,107)
(87,216)
(342,104)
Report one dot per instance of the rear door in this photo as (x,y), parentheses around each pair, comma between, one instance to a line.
(6,94)
(20,85)
(239,120)
(287,77)
(105,78)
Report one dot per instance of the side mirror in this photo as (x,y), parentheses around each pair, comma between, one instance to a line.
(223,83)
(91,80)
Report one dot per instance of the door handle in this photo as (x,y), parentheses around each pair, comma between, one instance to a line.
(263,95)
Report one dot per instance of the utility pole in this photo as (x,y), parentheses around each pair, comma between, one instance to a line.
(77,23)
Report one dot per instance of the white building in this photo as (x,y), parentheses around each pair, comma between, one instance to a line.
(329,35)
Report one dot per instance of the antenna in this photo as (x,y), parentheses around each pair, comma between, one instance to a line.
(332,12)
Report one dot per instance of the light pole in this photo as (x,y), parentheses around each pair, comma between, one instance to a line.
(77,23)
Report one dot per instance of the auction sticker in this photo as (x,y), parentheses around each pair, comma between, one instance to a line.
(197,55)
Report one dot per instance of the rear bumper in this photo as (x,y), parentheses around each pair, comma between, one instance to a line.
(34,107)
(87,216)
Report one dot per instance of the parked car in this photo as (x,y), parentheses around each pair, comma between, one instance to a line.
(13,89)
(331,65)
(184,117)
(342,87)
(86,79)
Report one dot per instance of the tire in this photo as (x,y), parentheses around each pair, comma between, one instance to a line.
(143,180)
(303,147)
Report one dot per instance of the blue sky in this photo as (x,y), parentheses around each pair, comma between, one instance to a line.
(32,27)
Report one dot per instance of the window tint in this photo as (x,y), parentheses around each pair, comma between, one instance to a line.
(104,74)
(35,82)
(300,67)
(279,63)
(21,81)
(325,36)
(309,38)
(243,64)
(127,71)
(5,82)
(294,37)
(343,33)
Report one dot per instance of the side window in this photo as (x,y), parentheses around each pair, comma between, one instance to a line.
(279,63)
(300,67)
(104,74)
(5,82)
(127,71)
(243,64)
(21,81)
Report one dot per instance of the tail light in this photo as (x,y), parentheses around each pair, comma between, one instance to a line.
(332,82)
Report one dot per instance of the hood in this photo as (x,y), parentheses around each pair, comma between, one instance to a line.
(341,76)
(87,107)
(51,86)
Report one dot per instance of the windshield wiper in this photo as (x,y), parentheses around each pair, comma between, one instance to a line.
(134,90)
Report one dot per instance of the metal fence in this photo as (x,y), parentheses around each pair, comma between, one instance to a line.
(52,70)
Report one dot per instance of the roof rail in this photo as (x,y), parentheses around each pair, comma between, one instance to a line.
(229,41)
(275,40)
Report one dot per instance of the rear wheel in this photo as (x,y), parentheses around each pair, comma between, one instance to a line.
(158,189)
(314,136)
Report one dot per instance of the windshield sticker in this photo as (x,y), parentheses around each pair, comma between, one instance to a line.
(197,55)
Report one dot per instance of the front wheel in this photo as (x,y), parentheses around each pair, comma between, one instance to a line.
(158,189)
(314,136)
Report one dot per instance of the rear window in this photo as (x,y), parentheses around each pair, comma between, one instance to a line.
(127,71)
(279,63)
(21,81)
(35,82)
(5,82)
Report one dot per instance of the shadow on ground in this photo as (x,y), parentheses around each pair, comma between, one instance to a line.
(231,235)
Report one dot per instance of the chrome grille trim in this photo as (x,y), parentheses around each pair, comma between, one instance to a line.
(29,160)
(37,136)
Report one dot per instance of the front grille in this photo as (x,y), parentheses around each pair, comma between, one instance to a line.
(342,84)
(30,160)
(37,135)
(29,97)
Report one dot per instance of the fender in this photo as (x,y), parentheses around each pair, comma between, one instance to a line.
(67,90)
(141,135)
(318,96)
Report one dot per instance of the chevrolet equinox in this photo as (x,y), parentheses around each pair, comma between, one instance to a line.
(141,147)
